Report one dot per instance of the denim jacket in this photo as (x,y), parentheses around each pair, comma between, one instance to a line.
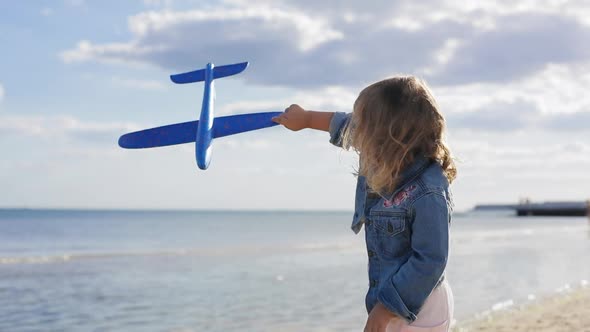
(406,233)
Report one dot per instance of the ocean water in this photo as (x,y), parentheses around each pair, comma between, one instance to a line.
(252,271)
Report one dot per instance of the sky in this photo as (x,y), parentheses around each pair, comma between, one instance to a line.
(510,77)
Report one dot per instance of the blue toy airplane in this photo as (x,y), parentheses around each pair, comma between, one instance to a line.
(203,131)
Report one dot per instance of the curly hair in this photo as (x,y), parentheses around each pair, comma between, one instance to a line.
(395,120)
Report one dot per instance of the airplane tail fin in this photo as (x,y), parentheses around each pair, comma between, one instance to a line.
(218,72)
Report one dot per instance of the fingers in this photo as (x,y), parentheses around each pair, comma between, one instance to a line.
(281,118)
(291,107)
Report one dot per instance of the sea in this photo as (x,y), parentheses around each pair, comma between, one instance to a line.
(77,270)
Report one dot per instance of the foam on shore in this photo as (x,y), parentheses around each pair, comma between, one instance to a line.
(567,310)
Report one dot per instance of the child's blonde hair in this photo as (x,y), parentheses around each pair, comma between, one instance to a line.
(395,120)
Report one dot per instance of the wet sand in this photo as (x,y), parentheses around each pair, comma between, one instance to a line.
(564,312)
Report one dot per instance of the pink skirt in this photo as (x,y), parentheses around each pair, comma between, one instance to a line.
(435,316)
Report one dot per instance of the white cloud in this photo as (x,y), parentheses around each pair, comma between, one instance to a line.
(502,167)
(108,53)
(63,127)
(442,57)
(555,98)
(325,99)
(516,50)
(553,101)
(415,15)
(316,43)
(250,22)
(518,115)
(138,84)
(484,15)
(497,116)
(496,156)
(250,27)
(1,92)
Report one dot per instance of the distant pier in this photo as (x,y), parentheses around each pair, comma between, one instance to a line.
(574,209)
(527,208)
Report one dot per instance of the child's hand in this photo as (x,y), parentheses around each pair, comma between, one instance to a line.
(294,118)
(380,318)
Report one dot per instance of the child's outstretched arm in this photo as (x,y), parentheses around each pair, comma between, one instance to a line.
(296,118)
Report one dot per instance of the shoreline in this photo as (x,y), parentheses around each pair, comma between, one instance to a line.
(565,311)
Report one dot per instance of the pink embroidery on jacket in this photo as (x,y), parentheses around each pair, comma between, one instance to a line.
(400,197)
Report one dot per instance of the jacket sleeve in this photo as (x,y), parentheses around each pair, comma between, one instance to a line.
(337,124)
(406,291)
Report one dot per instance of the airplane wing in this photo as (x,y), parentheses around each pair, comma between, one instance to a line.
(186,132)
(218,72)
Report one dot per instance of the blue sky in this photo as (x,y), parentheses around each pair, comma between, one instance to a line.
(510,77)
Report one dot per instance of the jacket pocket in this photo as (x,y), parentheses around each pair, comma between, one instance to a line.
(389,225)
(387,235)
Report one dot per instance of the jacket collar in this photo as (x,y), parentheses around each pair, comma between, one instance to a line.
(408,174)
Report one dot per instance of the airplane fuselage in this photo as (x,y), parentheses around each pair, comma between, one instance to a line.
(205,127)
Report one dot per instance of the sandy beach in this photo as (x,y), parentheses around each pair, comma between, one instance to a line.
(564,312)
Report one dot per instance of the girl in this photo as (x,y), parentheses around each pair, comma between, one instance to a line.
(402,199)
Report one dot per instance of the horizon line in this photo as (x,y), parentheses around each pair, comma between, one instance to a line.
(82,209)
